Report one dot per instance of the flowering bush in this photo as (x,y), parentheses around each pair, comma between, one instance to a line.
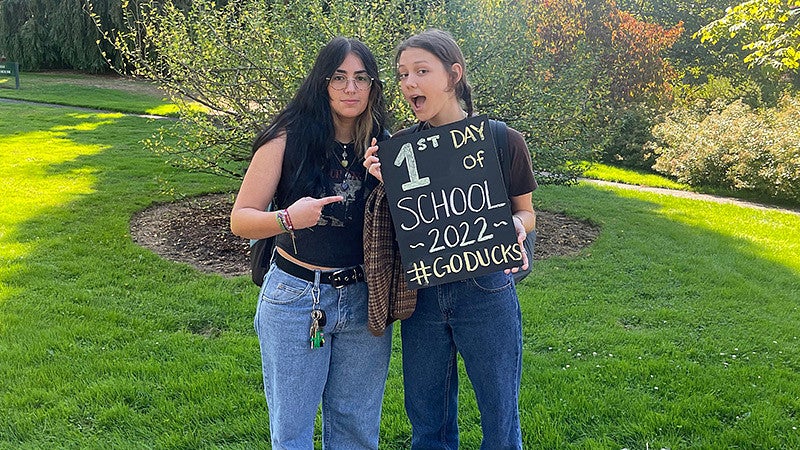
(733,146)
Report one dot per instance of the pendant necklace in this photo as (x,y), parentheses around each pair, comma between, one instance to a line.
(345,184)
(345,161)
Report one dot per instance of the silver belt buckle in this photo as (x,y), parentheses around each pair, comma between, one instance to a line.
(343,277)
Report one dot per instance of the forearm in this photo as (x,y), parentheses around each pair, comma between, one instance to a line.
(523,212)
(250,223)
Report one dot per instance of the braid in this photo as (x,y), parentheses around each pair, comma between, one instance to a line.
(466,95)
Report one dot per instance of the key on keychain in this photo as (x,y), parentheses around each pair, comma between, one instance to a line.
(319,316)
(318,320)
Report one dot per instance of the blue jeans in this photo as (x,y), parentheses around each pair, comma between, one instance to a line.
(348,374)
(480,319)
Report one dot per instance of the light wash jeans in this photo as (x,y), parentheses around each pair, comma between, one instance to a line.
(480,319)
(348,374)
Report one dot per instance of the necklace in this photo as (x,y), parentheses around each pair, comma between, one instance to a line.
(345,156)
(345,182)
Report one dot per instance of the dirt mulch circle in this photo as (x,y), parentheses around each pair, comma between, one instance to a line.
(196,232)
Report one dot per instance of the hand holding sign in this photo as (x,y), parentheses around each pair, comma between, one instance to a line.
(448,203)
(519,227)
(371,161)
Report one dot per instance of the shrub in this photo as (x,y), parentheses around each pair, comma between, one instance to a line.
(630,133)
(733,146)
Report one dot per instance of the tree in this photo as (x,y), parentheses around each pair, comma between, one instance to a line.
(693,14)
(609,60)
(700,65)
(59,34)
(50,34)
(769,31)
(231,67)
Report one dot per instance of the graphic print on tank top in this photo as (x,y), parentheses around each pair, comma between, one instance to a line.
(348,184)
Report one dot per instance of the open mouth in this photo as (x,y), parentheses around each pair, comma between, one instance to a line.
(418,101)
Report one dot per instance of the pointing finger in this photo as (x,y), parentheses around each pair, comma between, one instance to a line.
(332,199)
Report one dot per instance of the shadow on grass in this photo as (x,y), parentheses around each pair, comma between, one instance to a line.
(102,340)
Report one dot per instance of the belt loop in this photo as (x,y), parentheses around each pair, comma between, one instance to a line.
(317,275)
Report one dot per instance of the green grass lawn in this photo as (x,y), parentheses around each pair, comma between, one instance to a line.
(605,172)
(77,90)
(678,328)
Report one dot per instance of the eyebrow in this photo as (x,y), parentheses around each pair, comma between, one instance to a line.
(421,62)
(357,71)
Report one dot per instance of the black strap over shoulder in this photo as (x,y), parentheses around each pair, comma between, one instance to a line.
(500,133)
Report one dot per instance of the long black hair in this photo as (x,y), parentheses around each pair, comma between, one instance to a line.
(307,121)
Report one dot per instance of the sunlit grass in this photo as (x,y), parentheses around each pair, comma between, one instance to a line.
(170,109)
(30,186)
(604,172)
(82,334)
(600,171)
(76,90)
(676,329)
(759,228)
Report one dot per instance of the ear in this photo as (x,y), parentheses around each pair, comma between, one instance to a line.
(456,72)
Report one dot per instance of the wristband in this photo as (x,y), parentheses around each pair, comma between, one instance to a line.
(286,224)
(288,220)
(281,221)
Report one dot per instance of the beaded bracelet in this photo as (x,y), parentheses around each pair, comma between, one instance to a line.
(286,225)
(288,220)
(280,220)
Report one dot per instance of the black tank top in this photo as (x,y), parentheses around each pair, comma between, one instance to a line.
(337,239)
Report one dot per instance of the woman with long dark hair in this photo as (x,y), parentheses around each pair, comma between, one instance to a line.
(311,318)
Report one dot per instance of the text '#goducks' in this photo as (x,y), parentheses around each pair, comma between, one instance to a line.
(467,261)
(472,260)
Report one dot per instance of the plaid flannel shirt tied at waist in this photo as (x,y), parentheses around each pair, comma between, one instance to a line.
(389,298)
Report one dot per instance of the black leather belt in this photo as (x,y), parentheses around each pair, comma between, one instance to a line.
(336,278)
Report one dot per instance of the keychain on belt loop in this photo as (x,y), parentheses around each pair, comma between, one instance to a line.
(318,319)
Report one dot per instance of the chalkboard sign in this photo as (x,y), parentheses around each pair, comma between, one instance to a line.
(448,202)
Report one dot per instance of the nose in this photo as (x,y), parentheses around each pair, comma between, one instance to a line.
(409,81)
(350,86)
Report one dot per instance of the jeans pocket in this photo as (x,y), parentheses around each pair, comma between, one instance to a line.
(493,282)
(281,288)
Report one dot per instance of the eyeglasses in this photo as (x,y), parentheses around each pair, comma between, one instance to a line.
(339,82)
